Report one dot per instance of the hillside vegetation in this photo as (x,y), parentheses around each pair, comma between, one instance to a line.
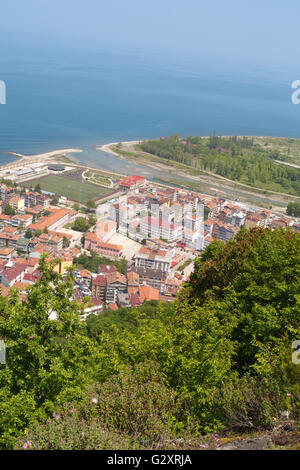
(218,359)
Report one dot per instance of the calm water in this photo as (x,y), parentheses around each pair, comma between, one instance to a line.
(60,99)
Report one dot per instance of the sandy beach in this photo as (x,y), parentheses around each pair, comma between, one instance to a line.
(106,147)
(36,157)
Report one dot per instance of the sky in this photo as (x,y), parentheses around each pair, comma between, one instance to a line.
(255,32)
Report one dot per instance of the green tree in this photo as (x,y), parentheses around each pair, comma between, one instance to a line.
(8,210)
(28,233)
(38,188)
(92,220)
(91,204)
(48,360)
(81,225)
(256,273)
(66,242)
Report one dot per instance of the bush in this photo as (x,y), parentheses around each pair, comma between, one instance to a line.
(249,403)
(130,410)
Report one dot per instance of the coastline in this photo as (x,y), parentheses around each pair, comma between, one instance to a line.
(211,183)
(36,157)
(106,147)
(216,182)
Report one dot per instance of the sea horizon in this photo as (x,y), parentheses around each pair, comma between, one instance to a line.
(75,99)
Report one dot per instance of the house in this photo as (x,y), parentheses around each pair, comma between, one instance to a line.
(148,293)
(134,300)
(109,249)
(105,229)
(12,273)
(86,276)
(133,283)
(151,277)
(131,182)
(106,269)
(22,245)
(153,259)
(99,287)
(57,219)
(116,283)
(7,253)
(17,203)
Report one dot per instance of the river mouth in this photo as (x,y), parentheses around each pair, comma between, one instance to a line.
(97,158)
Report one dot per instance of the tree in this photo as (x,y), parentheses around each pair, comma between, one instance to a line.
(28,233)
(66,242)
(38,188)
(54,200)
(255,274)
(48,360)
(8,210)
(92,220)
(91,204)
(81,225)
(76,206)
(293,209)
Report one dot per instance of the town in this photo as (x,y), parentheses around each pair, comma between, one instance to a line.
(143,238)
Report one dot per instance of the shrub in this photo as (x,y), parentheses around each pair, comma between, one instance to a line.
(132,409)
(249,403)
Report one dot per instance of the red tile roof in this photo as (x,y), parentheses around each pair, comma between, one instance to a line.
(131,180)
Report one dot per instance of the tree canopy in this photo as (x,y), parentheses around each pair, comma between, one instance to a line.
(220,355)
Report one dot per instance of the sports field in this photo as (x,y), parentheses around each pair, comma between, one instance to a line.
(74,190)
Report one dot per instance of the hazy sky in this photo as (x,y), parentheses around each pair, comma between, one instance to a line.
(256,31)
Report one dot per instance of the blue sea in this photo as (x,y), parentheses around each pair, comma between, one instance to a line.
(65,98)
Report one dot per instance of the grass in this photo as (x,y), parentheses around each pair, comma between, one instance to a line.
(74,190)
(184,265)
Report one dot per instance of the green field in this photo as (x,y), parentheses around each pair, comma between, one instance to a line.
(71,189)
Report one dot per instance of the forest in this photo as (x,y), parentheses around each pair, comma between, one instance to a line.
(236,158)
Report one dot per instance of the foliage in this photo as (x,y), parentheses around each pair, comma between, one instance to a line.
(28,233)
(248,403)
(293,209)
(38,188)
(8,210)
(46,357)
(92,262)
(90,204)
(235,158)
(134,406)
(8,182)
(220,355)
(66,242)
(258,273)
(81,224)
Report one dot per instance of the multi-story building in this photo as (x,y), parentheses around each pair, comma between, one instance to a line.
(155,227)
(99,287)
(131,182)
(153,259)
(151,277)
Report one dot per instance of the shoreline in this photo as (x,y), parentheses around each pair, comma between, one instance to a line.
(106,147)
(214,180)
(34,158)
(244,193)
